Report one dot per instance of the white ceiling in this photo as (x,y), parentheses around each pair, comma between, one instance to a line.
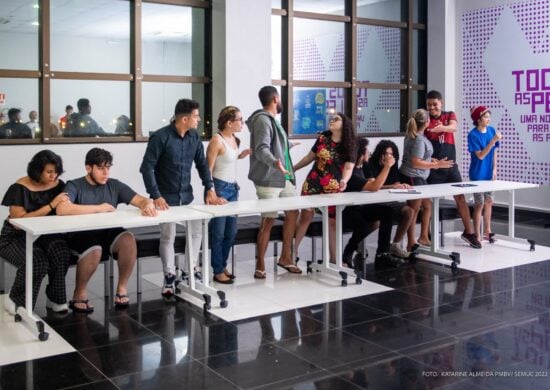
(98,18)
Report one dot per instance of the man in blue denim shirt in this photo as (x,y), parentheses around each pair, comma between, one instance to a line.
(166,170)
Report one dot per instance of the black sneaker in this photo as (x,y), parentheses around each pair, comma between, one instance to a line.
(169,285)
(471,239)
(347,257)
(386,260)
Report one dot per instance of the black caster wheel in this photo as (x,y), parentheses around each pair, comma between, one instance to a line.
(17,318)
(358,280)
(531,245)
(43,336)
(344,283)
(320,261)
(206,307)
(207,301)
(308,267)
(223,304)
(454,268)
(455,257)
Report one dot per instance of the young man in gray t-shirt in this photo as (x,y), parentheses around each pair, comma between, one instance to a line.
(97,193)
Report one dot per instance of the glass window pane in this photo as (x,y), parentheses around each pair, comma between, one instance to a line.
(276,47)
(18,94)
(319,49)
(419,54)
(159,100)
(380,9)
(173,40)
(418,100)
(108,109)
(276,4)
(419,11)
(313,106)
(19,35)
(379,110)
(335,7)
(379,52)
(90,36)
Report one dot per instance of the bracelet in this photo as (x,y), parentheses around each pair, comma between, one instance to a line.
(51,208)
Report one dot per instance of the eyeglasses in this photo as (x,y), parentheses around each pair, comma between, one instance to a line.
(335,119)
(238,119)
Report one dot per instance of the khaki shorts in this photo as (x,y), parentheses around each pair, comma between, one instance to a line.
(273,192)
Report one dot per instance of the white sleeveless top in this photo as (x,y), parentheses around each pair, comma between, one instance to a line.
(225,166)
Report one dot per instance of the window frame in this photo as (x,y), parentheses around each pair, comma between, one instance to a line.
(350,84)
(135,76)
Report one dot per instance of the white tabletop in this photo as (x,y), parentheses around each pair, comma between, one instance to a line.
(265,205)
(120,218)
(354,198)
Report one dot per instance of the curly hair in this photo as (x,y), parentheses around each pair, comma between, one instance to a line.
(349,138)
(40,160)
(99,157)
(380,150)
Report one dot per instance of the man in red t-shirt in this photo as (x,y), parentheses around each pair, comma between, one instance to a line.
(64,119)
(441,132)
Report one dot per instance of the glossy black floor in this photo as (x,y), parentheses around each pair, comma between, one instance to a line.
(472,331)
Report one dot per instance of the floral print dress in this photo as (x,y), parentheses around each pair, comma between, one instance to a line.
(326,173)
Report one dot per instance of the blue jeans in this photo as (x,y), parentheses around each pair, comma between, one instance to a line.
(223,229)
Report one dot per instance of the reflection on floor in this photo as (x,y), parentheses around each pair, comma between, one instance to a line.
(249,297)
(503,253)
(486,330)
(18,345)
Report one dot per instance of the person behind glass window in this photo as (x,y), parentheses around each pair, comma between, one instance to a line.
(14,128)
(122,125)
(33,123)
(64,120)
(81,124)
(222,155)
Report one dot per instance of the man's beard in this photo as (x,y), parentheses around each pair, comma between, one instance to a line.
(279,107)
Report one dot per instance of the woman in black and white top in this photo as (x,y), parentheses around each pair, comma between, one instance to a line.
(222,155)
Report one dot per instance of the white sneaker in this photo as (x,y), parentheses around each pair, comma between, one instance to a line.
(396,250)
(56,307)
(9,305)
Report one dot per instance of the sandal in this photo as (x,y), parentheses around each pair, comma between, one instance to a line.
(85,307)
(259,274)
(290,268)
(119,303)
(229,274)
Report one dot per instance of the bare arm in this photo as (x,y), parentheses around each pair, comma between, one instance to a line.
(147,206)
(452,127)
(20,212)
(481,154)
(305,161)
(378,182)
(418,163)
(69,208)
(346,175)
(212,152)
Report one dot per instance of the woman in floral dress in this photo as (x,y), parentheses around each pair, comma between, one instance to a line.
(333,155)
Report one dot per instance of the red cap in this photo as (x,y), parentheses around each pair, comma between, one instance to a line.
(477,112)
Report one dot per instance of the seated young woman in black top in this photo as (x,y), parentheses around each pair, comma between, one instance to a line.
(37,194)
(364,219)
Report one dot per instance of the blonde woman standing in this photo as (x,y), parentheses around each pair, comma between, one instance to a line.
(222,155)
(415,169)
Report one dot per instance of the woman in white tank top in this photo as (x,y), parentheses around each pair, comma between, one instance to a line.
(222,154)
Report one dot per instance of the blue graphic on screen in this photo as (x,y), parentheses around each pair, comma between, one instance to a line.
(310,111)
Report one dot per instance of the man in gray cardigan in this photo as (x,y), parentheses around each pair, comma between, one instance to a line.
(272,174)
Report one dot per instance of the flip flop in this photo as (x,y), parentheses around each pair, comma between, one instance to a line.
(290,268)
(120,304)
(86,310)
(259,274)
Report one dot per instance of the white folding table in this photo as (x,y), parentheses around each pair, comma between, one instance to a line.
(38,226)
(434,192)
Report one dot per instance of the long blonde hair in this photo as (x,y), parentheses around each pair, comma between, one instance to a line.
(419,120)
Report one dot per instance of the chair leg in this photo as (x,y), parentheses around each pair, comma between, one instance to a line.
(2,276)
(106,277)
(233,259)
(138,275)
(441,234)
